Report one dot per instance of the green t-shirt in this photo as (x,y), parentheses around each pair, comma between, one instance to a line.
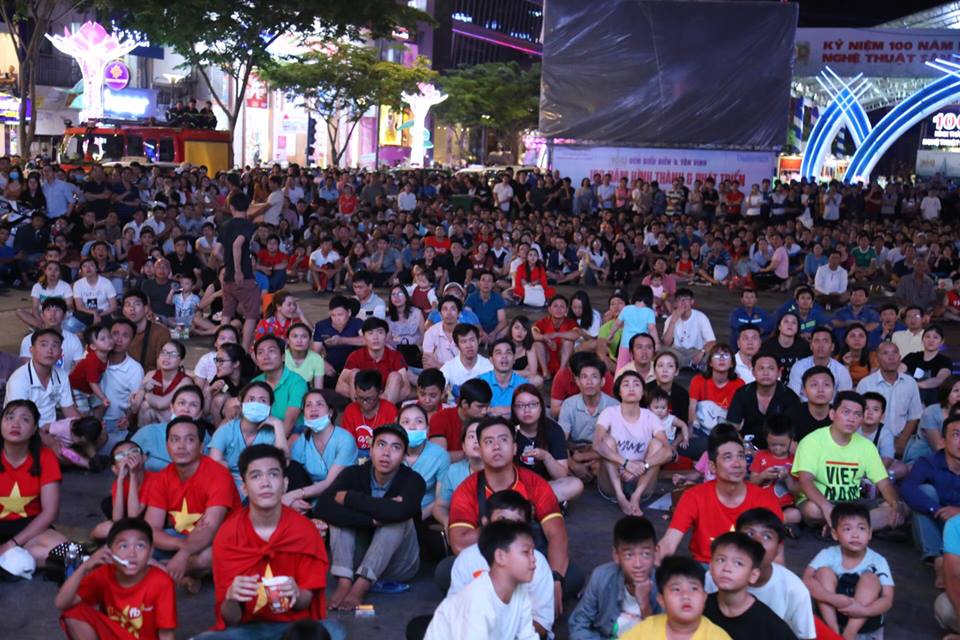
(837,471)
(863,258)
(613,344)
(311,366)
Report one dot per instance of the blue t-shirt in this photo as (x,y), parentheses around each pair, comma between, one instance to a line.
(951,536)
(152,439)
(341,450)
(635,320)
(502,397)
(431,465)
(228,439)
(337,355)
(455,474)
(486,311)
(466,317)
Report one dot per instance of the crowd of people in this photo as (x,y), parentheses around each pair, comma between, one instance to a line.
(453,405)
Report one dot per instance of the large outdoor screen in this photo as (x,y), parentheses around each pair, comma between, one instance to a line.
(664,73)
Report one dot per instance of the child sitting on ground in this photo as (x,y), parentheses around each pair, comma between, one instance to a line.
(86,375)
(116,593)
(771,467)
(851,583)
(681,595)
(684,271)
(872,429)
(75,441)
(735,564)
(127,493)
(298,265)
(620,593)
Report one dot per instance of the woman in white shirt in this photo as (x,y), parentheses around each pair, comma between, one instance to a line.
(588,321)
(49,286)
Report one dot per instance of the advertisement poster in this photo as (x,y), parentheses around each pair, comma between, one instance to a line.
(874,52)
(663,165)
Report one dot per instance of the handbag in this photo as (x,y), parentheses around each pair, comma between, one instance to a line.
(534,295)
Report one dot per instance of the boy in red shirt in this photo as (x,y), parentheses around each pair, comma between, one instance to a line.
(554,336)
(375,354)
(770,468)
(117,594)
(86,375)
(270,564)
(446,424)
(368,411)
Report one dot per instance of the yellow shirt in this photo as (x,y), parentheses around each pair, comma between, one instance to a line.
(655,628)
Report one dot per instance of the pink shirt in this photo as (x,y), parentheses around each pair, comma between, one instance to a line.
(632,437)
(782,258)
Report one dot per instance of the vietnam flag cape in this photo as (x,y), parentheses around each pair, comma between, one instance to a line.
(238,550)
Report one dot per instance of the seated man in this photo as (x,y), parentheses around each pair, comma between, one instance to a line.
(579,413)
(337,337)
(269,562)
(187,502)
(822,348)
(748,315)
(52,313)
(489,307)
(565,384)
(468,363)
(373,510)
(554,336)
(830,282)
(368,411)
(508,506)
(503,380)
(832,461)
(375,354)
(447,424)
(288,387)
(947,604)
(40,381)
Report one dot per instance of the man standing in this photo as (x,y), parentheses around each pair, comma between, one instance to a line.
(40,382)
(766,396)
(503,194)
(901,393)
(830,282)
(821,346)
(60,196)
(267,549)
(240,290)
(145,346)
(373,510)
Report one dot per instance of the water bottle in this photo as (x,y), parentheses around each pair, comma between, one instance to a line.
(749,448)
(71,560)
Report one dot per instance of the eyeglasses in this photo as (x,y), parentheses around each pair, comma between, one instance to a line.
(123,454)
(221,360)
(526,406)
(170,354)
(721,356)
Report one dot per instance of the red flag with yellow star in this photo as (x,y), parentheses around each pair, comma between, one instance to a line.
(20,490)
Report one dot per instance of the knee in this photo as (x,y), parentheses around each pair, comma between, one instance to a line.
(929,491)
(868,586)
(826,577)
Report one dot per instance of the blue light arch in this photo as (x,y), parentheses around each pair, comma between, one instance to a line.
(844,110)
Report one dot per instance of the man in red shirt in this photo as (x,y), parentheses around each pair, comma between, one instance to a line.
(187,502)
(497,450)
(368,411)
(439,241)
(446,424)
(116,594)
(565,383)
(375,354)
(712,508)
(554,336)
(269,562)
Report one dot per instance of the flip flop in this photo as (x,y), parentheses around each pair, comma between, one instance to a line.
(389,587)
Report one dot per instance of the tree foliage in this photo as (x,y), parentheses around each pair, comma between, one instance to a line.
(236,35)
(499,95)
(342,82)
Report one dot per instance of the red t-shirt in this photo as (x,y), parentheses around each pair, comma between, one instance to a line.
(465,511)
(565,384)
(546,326)
(762,461)
(295,549)
(390,361)
(446,423)
(20,491)
(348,205)
(700,509)
(440,246)
(953,299)
(706,389)
(147,475)
(141,609)
(89,369)
(267,260)
(362,428)
(185,502)
(734,202)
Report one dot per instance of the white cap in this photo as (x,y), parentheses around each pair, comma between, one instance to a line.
(18,562)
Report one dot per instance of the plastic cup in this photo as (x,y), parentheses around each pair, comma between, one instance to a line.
(278,602)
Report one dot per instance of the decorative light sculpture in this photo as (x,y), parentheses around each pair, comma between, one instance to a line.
(92,47)
(420,104)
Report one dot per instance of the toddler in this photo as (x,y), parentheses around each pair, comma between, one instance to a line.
(86,375)
(185,303)
(661,297)
(676,429)
(684,271)
(75,441)
(771,466)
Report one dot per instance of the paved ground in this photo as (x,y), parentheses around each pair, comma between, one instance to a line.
(28,606)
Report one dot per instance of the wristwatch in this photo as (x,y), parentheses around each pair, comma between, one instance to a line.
(646,467)
(557,577)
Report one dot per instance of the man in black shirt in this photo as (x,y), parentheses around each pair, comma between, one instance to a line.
(96,193)
(457,263)
(819,387)
(240,291)
(765,396)
(182,261)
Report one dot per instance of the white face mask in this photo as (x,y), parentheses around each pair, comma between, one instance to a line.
(255,411)
(317,425)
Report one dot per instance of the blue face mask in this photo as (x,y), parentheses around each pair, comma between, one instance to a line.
(317,424)
(416,438)
(255,411)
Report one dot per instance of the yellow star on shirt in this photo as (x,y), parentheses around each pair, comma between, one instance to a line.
(262,591)
(15,504)
(183,520)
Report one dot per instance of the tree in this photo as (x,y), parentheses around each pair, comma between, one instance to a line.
(498,95)
(340,83)
(236,36)
(28,22)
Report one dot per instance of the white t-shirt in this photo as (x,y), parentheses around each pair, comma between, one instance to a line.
(456,374)
(885,445)
(744,372)
(832,558)
(118,383)
(478,613)
(61,290)
(470,564)
(319,260)
(632,438)
(503,194)
(96,295)
(930,208)
(24,384)
(407,201)
(787,596)
(692,333)
(72,351)
(272,214)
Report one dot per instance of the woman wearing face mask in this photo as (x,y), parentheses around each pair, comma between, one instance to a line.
(324,451)
(254,426)
(14,185)
(221,395)
(428,459)
(152,438)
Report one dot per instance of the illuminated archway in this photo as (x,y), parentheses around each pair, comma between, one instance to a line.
(898,120)
(843,110)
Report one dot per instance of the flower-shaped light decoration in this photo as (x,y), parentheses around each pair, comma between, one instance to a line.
(92,47)
(420,104)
